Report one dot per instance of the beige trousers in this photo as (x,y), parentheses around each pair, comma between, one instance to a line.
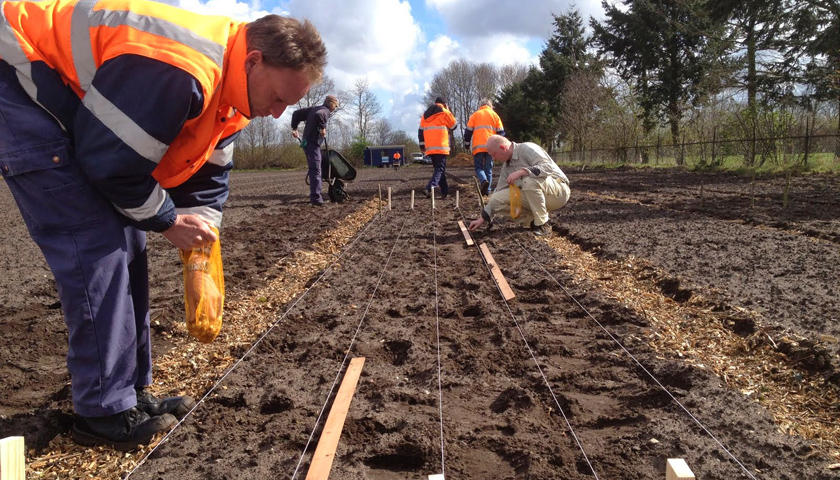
(539,197)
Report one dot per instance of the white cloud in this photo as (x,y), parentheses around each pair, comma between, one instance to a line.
(532,18)
(399,49)
(229,8)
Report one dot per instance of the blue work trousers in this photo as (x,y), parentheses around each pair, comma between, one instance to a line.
(99,262)
(313,159)
(439,175)
(484,169)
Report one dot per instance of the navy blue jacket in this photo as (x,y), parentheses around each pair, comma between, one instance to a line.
(316,118)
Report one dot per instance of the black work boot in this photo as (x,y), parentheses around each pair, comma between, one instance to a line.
(177,406)
(485,188)
(123,431)
(543,230)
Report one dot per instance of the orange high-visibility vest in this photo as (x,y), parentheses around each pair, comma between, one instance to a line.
(75,38)
(484,123)
(436,131)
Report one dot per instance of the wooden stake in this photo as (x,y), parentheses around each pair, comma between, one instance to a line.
(466,233)
(497,273)
(438,476)
(412,199)
(433,198)
(701,195)
(389,199)
(380,198)
(457,198)
(12,459)
(787,191)
(677,469)
(324,454)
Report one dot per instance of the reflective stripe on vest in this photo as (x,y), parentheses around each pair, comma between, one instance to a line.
(75,37)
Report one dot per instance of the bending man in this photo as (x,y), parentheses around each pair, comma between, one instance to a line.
(124,116)
(545,187)
(314,135)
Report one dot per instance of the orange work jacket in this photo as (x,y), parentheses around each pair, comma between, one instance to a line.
(74,38)
(434,129)
(482,125)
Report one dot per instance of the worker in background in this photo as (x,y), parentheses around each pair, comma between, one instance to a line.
(433,134)
(93,166)
(483,123)
(544,186)
(314,135)
(397,162)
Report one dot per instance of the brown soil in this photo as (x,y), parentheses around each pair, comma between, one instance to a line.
(524,387)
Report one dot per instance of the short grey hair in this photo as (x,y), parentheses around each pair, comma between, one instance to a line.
(485,101)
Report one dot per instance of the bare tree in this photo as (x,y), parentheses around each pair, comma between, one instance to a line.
(317,93)
(381,131)
(581,105)
(486,80)
(463,84)
(255,145)
(364,107)
(511,74)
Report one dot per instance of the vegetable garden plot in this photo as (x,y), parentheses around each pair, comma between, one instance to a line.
(499,418)
(496,418)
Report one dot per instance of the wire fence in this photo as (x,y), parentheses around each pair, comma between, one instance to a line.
(805,151)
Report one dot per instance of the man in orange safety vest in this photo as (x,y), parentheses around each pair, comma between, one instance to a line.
(125,112)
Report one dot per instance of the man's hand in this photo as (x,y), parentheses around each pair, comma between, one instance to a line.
(513,177)
(190,231)
(323,132)
(476,223)
(295,134)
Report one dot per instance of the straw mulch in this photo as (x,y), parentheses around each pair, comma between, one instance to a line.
(696,331)
(197,367)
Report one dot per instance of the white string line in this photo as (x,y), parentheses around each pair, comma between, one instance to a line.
(347,353)
(537,363)
(437,333)
(634,359)
(253,346)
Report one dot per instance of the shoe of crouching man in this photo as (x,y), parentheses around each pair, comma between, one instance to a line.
(543,230)
(179,407)
(124,431)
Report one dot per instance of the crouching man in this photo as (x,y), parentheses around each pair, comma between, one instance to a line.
(544,186)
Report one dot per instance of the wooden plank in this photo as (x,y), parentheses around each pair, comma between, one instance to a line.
(324,454)
(437,476)
(497,273)
(12,459)
(466,233)
(677,469)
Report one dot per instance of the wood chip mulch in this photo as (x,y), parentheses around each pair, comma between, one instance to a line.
(196,367)
(801,403)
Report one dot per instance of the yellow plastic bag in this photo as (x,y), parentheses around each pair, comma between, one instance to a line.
(204,290)
(515,201)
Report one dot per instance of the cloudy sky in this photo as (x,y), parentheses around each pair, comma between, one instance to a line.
(398,45)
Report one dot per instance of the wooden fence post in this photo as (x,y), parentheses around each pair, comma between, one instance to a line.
(807,141)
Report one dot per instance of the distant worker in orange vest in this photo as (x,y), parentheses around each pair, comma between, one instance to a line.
(124,116)
(433,134)
(397,157)
(482,124)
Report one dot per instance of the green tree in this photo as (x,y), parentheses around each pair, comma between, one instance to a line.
(814,51)
(666,48)
(753,27)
